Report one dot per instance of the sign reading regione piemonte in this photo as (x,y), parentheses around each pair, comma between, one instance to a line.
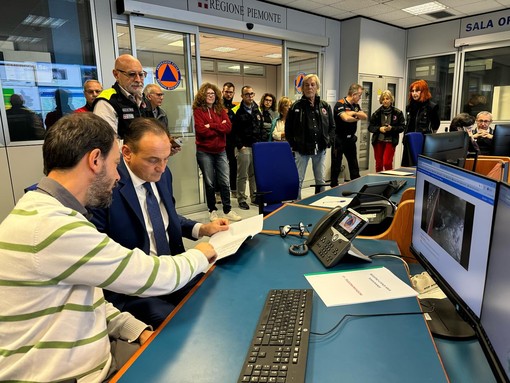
(168,75)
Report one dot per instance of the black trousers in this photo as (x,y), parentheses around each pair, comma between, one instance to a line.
(344,147)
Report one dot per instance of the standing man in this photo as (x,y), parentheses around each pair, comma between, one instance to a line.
(347,114)
(483,132)
(248,128)
(91,89)
(55,323)
(310,129)
(228,93)
(154,95)
(143,171)
(123,102)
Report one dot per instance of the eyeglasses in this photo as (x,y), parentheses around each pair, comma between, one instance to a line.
(249,94)
(132,75)
(285,229)
(484,121)
(211,94)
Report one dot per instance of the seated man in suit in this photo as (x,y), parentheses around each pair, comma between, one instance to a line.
(129,220)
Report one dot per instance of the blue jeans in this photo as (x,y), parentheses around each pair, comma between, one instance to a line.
(319,168)
(214,166)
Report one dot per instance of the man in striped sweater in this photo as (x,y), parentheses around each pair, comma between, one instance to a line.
(54,322)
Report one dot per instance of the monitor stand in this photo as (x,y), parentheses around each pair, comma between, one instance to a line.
(444,321)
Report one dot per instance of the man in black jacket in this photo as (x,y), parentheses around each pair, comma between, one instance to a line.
(310,129)
(124,101)
(247,128)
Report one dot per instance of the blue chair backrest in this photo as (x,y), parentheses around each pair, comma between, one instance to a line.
(275,171)
(415,141)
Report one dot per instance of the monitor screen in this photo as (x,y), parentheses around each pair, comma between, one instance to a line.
(449,147)
(452,226)
(501,141)
(495,309)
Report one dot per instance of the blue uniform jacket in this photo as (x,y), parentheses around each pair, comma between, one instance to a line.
(123,220)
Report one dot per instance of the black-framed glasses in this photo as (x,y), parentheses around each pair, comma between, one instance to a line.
(132,75)
(286,229)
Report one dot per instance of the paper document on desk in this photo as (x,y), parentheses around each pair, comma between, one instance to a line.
(358,286)
(332,202)
(399,173)
(228,242)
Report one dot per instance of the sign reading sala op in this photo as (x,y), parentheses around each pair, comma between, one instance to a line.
(168,75)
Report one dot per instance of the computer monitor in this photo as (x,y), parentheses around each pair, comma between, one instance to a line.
(451,147)
(501,141)
(495,315)
(452,226)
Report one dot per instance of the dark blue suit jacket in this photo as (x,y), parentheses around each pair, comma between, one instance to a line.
(123,220)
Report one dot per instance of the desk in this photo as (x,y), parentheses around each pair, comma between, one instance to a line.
(207,339)
(358,183)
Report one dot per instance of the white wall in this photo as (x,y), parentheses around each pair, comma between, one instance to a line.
(432,39)
(382,49)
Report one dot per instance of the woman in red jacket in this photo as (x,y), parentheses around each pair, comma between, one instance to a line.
(211,127)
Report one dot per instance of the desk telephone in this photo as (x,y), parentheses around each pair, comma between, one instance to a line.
(331,238)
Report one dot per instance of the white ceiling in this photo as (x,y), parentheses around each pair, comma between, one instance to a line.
(386,11)
(389,11)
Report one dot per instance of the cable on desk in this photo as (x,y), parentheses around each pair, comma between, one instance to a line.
(346,316)
(399,257)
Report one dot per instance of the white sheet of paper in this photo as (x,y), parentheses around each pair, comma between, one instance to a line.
(228,242)
(332,202)
(396,173)
(358,286)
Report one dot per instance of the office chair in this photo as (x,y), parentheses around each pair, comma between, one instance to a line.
(408,194)
(400,230)
(415,141)
(276,175)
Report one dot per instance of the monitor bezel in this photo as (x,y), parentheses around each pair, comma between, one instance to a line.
(462,307)
(496,136)
(494,361)
(452,155)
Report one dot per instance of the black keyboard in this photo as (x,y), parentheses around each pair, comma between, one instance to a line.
(279,346)
(396,185)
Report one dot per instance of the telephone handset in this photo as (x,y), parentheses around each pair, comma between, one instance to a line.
(331,238)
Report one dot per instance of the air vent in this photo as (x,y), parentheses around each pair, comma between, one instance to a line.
(440,14)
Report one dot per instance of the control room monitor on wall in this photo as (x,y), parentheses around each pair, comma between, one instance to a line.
(451,147)
(452,226)
(496,308)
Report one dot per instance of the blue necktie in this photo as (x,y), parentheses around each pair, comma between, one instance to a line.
(162,246)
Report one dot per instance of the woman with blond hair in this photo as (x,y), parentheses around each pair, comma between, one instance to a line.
(386,124)
(422,115)
(278,125)
(211,127)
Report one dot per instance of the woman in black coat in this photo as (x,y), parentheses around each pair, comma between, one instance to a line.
(386,124)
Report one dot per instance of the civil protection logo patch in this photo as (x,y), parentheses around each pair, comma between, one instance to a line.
(168,75)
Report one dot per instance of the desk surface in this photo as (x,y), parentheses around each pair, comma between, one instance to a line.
(207,339)
(358,183)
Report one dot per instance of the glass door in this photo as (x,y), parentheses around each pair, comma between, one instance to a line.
(169,53)
(299,60)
